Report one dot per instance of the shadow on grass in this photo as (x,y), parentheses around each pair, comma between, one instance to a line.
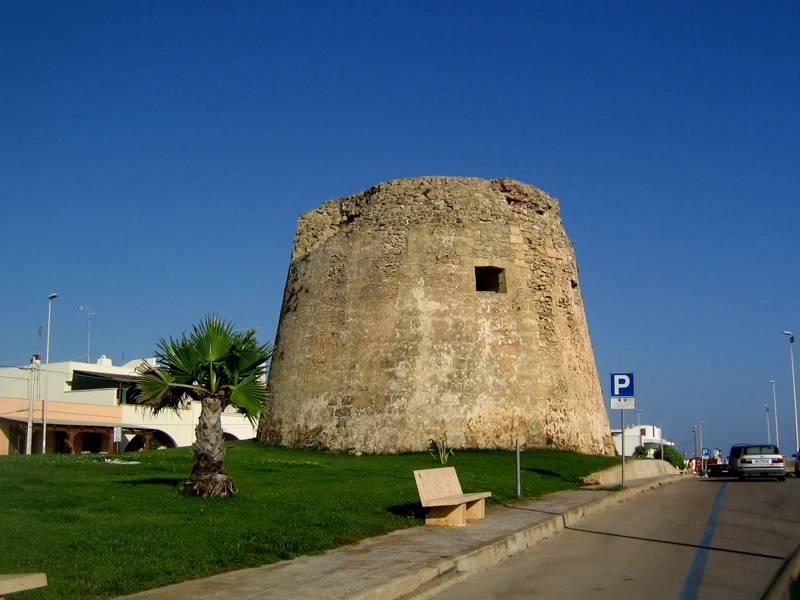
(170,481)
(412,509)
(543,472)
(373,473)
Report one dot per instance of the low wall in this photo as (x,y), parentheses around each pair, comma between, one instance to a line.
(634,469)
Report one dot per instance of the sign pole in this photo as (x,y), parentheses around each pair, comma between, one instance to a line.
(623,397)
(519,475)
(622,412)
(117,438)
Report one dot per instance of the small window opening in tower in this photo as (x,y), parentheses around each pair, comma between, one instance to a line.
(490,279)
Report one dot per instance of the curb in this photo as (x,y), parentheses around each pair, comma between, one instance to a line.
(433,577)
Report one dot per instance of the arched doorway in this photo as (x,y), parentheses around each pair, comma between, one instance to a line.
(150,440)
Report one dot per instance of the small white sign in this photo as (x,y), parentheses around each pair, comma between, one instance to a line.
(623,403)
(117,434)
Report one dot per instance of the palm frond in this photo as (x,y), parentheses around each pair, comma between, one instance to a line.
(157,390)
(181,358)
(212,338)
(249,397)
(252,362)
(211,358)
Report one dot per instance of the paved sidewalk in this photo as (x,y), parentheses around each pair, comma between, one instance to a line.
(409,562)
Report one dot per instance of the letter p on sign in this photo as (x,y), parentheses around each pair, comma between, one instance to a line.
(622,384)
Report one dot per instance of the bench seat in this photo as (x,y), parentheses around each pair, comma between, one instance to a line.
(440,492)
(21,582)
(459,499)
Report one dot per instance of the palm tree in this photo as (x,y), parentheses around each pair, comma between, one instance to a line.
(218,367)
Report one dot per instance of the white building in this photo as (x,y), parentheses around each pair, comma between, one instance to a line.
(87,404)
(648,436)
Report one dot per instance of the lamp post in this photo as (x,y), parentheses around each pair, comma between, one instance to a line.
(775,406)
(702,456)
(639,417)
(769,438)
(50,299)
(794,389)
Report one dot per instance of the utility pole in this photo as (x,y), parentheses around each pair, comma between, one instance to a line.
(88,331)
(775,412)
(33,392)
(769,438)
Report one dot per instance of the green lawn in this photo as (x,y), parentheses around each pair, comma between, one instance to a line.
(102,530)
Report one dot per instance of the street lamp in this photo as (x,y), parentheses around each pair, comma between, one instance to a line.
(769,437)
(639,417)
(50,299)
(702,455)
(794,389)
(775,405)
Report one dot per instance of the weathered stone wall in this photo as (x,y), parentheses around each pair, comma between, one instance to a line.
(384,343)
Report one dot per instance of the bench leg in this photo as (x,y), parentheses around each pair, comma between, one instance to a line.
(447,515)
(476,510)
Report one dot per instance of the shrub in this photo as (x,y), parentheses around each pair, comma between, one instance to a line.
(641,452)
(672,456)
(439,450)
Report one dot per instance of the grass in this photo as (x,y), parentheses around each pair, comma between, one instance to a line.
(102,530)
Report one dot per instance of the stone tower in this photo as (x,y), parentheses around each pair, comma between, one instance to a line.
(434,308)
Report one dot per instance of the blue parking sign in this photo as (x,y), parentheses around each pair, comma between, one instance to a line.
(622,385)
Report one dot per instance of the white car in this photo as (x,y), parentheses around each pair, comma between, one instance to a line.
(757,460)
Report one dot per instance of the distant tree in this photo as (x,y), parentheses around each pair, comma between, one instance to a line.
(641,452)
(672,456)
(218,367)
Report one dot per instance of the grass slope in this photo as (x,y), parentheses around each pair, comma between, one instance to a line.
(101,530)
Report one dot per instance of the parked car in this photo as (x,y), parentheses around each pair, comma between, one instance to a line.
(716,467)
(734,456)
(756,460)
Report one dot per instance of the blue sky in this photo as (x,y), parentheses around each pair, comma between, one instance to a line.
(156,156)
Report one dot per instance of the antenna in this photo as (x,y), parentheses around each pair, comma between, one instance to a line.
(88,331)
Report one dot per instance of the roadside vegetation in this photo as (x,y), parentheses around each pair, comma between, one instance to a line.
(672,456)
(103,529)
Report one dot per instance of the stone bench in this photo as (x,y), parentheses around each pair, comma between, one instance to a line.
(19,583)
(440,492)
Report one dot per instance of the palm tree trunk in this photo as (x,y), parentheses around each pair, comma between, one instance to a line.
(208,478)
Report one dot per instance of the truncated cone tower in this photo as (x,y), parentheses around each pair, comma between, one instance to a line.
(434,308)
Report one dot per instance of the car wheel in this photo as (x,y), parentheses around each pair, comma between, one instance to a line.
(741,477)
(782,478)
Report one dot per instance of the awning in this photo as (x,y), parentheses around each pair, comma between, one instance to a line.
(71,423)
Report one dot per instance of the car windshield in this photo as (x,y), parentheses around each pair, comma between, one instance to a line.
(761,450)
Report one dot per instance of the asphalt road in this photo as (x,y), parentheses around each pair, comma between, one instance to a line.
(703,538)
